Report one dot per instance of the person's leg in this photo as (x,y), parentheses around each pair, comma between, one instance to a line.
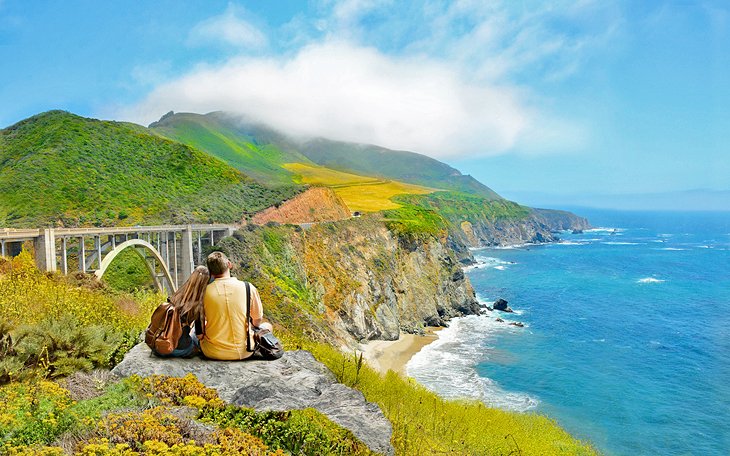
(191,350)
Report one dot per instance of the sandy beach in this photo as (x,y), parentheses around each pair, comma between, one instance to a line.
(385,355)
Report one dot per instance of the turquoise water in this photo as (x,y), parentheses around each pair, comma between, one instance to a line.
(627,337)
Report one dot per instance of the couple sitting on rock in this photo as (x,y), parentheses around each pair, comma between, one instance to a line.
(217,310)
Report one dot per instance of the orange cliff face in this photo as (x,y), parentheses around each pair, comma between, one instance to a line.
(317,204)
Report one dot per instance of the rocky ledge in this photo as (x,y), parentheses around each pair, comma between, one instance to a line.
(296,381)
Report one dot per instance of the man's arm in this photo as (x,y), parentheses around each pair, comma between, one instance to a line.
(257,309)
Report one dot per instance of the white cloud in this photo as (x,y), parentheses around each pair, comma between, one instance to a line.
(447,79)
(348,92)
(230,28)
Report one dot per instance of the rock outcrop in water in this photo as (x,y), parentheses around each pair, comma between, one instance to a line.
(501,304)
(296,381)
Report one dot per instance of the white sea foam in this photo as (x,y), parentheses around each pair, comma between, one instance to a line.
(514,246)
(457,351)
(605,230)
(672,249)
(620,243)
(570,243)
(500,267)
(491,261)
(649,280)
(482,300)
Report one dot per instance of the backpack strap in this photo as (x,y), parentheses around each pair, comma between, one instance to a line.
(248,317)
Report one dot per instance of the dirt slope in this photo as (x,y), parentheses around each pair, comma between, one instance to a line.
(318,204)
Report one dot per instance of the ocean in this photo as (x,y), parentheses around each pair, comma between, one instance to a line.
(626,341)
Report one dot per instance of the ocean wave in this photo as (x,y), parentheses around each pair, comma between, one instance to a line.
(650,280)
(461,347)
(482,300)
(500,267)
(672,249)
(491,261)
(604,229)
(569,243)
(621,243)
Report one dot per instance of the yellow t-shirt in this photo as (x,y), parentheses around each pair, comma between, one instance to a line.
(226,327)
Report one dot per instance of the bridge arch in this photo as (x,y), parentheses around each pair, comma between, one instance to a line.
(135,244)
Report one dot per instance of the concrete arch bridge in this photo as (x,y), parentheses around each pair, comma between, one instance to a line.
(170,251)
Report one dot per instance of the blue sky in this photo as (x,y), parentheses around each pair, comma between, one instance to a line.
(542,101)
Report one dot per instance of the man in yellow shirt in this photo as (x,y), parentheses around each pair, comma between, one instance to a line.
(226,328)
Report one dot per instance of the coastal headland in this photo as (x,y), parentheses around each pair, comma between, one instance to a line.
(337,259)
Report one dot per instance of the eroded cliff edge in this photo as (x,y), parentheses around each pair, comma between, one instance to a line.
(357,279)
(352,279)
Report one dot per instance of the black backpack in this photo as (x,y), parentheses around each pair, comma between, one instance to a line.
(266,345)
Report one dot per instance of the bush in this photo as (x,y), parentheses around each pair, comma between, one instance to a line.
(54,348)
(53,326)
(34,413)
(305,432)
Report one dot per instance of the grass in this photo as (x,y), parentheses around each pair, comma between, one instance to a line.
(319,175)
(360,193)
(378,197)
(220,138)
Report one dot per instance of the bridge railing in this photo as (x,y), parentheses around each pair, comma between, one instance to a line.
(179,247)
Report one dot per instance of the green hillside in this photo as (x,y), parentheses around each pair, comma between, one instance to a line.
(253,150)
(393,164)
(260,152)
(61,169)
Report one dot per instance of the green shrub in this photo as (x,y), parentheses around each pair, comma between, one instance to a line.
(34,413)
(302,432)
(56,348)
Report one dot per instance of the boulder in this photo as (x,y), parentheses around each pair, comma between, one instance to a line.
(499,320)
(518,324)
(501,304)
(296,381)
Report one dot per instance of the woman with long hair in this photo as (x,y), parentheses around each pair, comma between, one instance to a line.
(188,300)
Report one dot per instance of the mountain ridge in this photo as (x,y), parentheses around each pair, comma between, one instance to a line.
(94,172)
(365,159)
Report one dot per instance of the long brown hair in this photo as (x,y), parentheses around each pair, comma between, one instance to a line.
(188,299)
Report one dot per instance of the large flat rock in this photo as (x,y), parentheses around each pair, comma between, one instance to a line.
(296,381)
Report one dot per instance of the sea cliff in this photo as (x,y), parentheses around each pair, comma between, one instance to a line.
(352,279)
(357,280)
